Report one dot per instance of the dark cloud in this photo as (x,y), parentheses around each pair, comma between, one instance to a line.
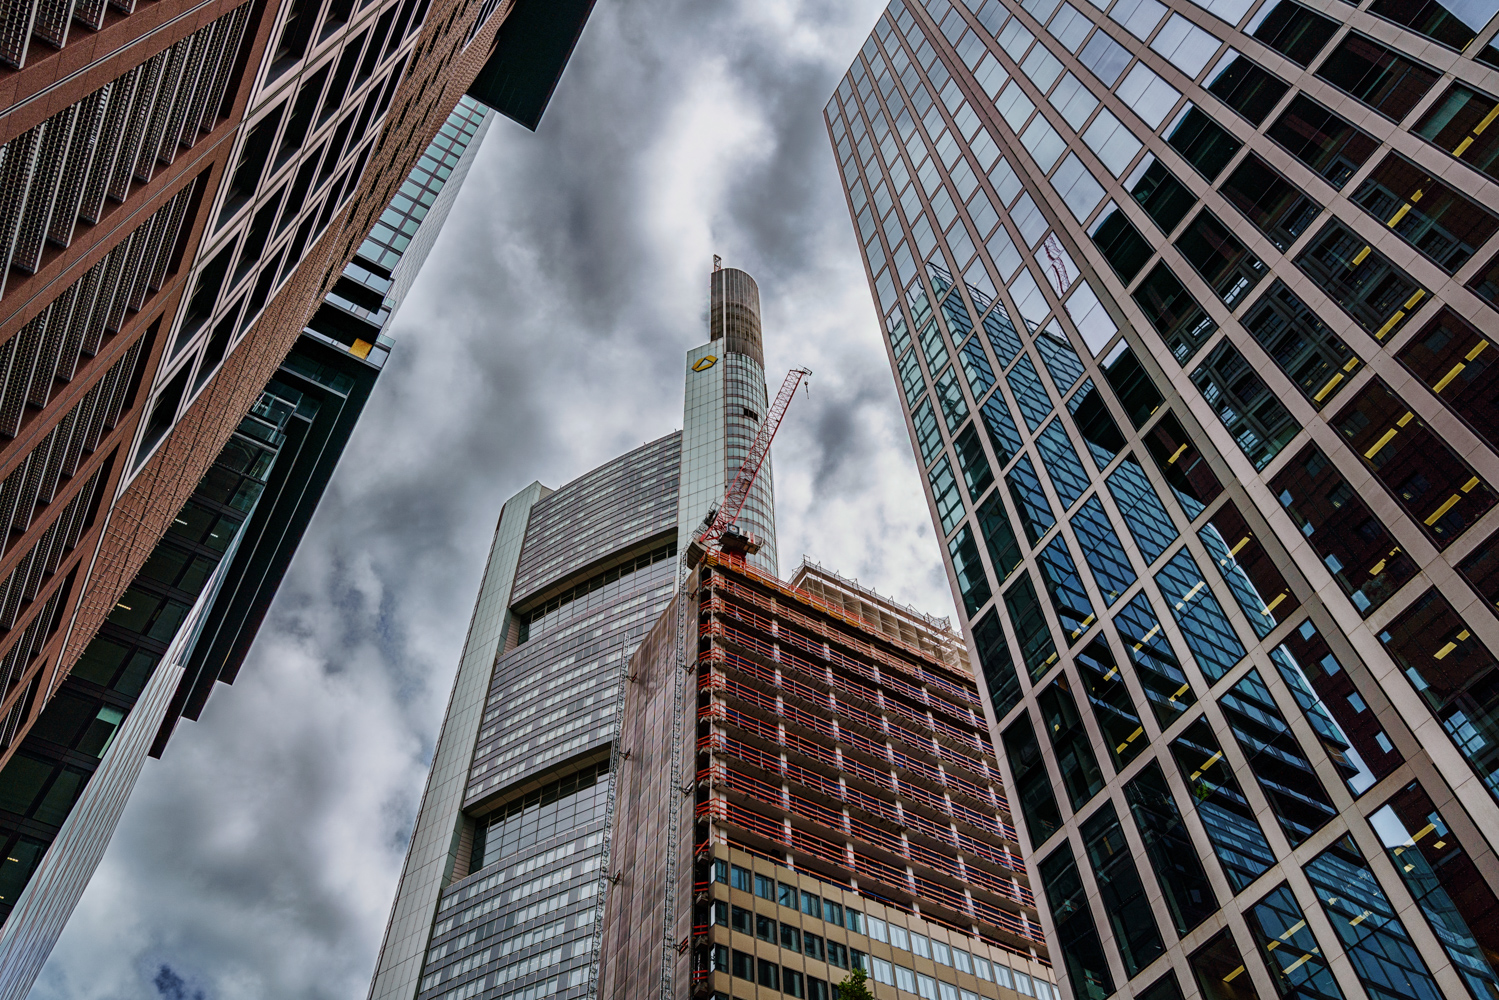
(259,857)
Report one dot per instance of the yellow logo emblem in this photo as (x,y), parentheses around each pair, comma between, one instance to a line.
(705,363)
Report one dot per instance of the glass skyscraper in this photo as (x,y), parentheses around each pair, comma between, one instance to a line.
(1188,305)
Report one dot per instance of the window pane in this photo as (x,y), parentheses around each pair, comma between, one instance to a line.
(1001,335)
(1252,577)
(1156,666)
(1285,774)
(1081,777)
(910,377)
(1292,30)
(1202,142)
(1165,199)
(998,668)
(1245,86)
(1113,707)
(1458,123)
(1209,634)
(1120,890)
(1187,473)
(972,580)
(955,314)
(1451,358)
(1430,216)
(1035,513)
(950,396)
(1003,434)
(1226,815)
(1077,935)
(1435,487)
(1030,394)
(972,460)
(1223,261)
(1069,599)
(1037,649)
(1481,570)
(1102,551)
(976,367)
(1094,421)
(1296,962)
(1323,141)
(1058,357)
(1300,344)
(1173,857)
(1383,956)
(1447,886)
(945,496)
(1455,675)
(1455,28)
(1260,425)
(1165,988)
(1272,203)
(1144,514)
(1061,462)
(1120,242)
(1219,970)
(1032,784)
(1379,76)
(1132,386)
(1173,312)
(928,436)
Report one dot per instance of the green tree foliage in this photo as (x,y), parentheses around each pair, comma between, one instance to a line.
(855,986)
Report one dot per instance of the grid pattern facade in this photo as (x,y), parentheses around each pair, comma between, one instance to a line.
(1184,303)
(704,468)
(860,762)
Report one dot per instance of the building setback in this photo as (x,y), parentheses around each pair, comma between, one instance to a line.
(1186,305)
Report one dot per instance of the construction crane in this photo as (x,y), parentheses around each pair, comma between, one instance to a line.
(717,528)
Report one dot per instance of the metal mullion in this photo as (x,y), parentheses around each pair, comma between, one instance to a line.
(47,176)
(76,169)
(97,423)
(47,354)
(62,316)
(10,490)
(241,17)
(129,265)
(121,387)
(85,410)
(213,56)
(15,182)
(196,46)
(120,94)
(173,232)
(18,16)
(90,13)
(161,109)
(32,486)
(53,473)
(93,334)
(18,379)
(52,20)
(12,602)
(147,84)
(150,247)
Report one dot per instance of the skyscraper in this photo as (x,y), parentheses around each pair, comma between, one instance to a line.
(1184,303)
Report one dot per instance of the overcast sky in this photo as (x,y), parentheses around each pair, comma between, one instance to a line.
(545,336)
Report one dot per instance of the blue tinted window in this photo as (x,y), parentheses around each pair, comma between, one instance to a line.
(976,366)
(1030,395)
(1036,647)
(933,346)
(1059,574)
(973,461)
(1071,749)
(1245,594)
(1208,632)
(1383,956)
(1118,720)
(900,337)
(1156,666)
(997,665)
(1096,424)
(1001,335)
(1334,740)
(999,536)
(1296,963)
(1035,513)
(910,377)
(1060,359)
(946,496)
(1144,514)
(959,323)
(1173,857)
(972,580)
(1226,815)
(1003,434)
(927,434)
(950,396)
(1062,464)
(1102,551)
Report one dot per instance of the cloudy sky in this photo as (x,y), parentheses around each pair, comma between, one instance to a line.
(545,336)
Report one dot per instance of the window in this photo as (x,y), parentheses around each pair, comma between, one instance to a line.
(1268,200)
(1111,141)
(971,459)
(899,937)
(1481,569)
(1061,462)
(1105,57)
(1245,86)
(1454,673)
(1226,815)
(1294,31)
(1301,345)
(976,367)
(972,580)
(1147,95)
(950,397)
(1077,935)
(1068,598)
(1454,28)
(1323,141)
(1202,142)
(1452,359)
(1030,394)
(1120,891)
(1032,784)
(1378,76)
(791,938)
(1113,707)
(1223,261)
(770,974)
(1144,514)
(1096,424)
(744,966)
(882,972)
(786,895)
(1217,967)
(945,495)
(1101,551)
(1173,857)
(1381,952)
(1165,988)
(1185,46)
(905,979)
(793,984)
(1187,473)
(921,945)
(1431,483)
(1037,649)
(739,878)
(1081,777)
(1438,221)
(1058,357)
(1353,544)
(1252,576)
(832,912)
(1165,199)
(1131,384)
(721,871)
(1173,312)
(812,946)
(1254,416)
(1209,634)
(765,928)
(1120,242)
(811,905)
(1156,666)
(1296,963)
(1458,123)
(765,887)
(1285,774)
(998,668)
(742,920)
(1448,889)
(1000,333)
(1030,500)
(999,537)
(837,954)
(928,437)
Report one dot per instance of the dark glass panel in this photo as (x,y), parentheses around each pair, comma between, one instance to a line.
(1332,147)
(1030,394)
(1454,28)
(1081,777)
(1275,206)
(1377,294)
(1435,487)
(998,667)
(976,368)
(1101,551)
(1037,649)
(1223,261)
(1354,546)
(1202,142)
(1186,471)
(1077,935)
(1001,334)
(1296,962)
(1003,434)
(1149,523)
(1120,890)
(1254,416)
(1310,353)
(1165,199)
(1173,857)
(1173,312)
(1032,784)
(1430,216)
(1096,424)
(1219,970)
(1156,666)
(1120,242)
(972,580)
(1226,814)
(1377,75)
(1208,632)
(1454,673)
(1294,31)
(1065,587)
(1459,123)
(1131,384)
(1245,86)
(1252,576)
(972,460)
(999,536)
(1035,513)
(1481,570)
(1165,988)
(1113,707)
(1451,358)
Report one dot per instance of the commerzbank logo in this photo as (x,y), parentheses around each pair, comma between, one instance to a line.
(704,363)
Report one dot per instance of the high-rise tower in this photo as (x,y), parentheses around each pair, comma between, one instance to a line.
(1187,304)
